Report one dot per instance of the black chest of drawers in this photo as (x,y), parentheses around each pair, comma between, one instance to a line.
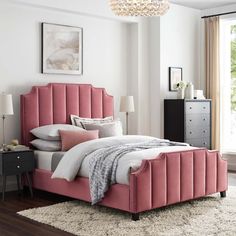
(188,121)
(16,163)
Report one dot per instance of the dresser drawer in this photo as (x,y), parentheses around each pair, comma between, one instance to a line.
(199,142)
(196,132)
(196,120)
(197,107)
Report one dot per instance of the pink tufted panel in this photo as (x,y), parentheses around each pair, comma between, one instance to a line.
(177,177)
(173,178)
(117,196)
(153,184)
(54,103)
(161,182)
(72,101)
(186,176)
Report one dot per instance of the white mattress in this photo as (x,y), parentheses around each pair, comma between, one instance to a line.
(43,159)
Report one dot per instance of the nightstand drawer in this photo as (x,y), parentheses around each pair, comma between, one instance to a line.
(17,162)
(17,157)
(16,168)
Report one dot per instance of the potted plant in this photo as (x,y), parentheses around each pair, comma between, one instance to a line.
(181,89)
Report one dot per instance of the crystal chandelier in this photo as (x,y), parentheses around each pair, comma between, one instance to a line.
(139,7)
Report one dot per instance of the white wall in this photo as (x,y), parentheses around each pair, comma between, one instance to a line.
(219,10)
(104,54)
(124,55)
(174,42)
(155,38)
(133,75)
(116,55)
(89,8)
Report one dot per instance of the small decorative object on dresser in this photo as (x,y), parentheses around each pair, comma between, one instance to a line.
(198,94)
(175,76)
(189,91)
(16,163)
(180,89)
(188,121)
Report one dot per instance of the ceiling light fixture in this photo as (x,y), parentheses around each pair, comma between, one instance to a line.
(139,7)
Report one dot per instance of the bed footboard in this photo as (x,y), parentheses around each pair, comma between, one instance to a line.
(177,177)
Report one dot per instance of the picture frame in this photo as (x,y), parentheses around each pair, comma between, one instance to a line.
(62,49)
(175,76)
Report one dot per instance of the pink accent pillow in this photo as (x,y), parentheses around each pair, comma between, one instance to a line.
(70,138)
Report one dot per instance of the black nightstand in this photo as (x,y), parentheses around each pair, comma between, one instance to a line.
(16,163)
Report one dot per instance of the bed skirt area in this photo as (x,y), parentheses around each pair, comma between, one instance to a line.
(170,178)
(116,197)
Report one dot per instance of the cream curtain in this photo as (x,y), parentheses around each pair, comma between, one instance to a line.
(212,34)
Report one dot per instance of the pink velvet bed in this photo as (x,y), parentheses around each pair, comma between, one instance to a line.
(168,179)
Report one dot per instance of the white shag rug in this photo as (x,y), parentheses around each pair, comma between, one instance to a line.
(207,216)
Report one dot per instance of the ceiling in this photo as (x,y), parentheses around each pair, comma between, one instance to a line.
(203,4)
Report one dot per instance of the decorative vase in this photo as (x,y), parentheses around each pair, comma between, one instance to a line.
(189,91)
(180,93)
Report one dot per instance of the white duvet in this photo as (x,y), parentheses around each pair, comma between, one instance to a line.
(75,163)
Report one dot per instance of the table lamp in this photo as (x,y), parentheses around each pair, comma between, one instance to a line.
(6,109)
(127,105)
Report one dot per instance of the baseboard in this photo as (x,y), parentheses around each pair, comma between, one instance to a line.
(11,184)
(232,167)
(231,158)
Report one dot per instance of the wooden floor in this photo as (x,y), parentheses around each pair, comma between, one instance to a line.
(12,224)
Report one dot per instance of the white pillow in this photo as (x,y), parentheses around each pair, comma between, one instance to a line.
(44,145)
(106,129)
(50,132)
(76,120)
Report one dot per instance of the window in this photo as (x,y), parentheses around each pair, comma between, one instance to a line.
(228,86)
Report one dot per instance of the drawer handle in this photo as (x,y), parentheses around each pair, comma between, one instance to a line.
(18,167)
(18,157)
(204,107)
(190,120)
(204,119)
(190,132)
(204,143)
(204,131)
(190,108)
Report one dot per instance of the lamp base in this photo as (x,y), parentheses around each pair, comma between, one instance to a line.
(127,123)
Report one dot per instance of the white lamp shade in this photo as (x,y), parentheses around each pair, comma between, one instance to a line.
(127,104)
(6,107)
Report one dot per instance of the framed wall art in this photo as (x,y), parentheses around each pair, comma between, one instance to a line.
(62,49)
(175,76)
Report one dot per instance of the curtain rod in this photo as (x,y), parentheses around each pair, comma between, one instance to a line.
(220,14)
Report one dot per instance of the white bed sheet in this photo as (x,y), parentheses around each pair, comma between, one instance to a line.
(74,160)
(43,159)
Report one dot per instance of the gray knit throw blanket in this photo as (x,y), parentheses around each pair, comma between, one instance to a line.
(103,164)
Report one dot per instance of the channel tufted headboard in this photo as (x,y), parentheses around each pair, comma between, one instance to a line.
(55,102)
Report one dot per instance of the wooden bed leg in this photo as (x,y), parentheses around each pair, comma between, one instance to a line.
(135,216)
(223,194)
